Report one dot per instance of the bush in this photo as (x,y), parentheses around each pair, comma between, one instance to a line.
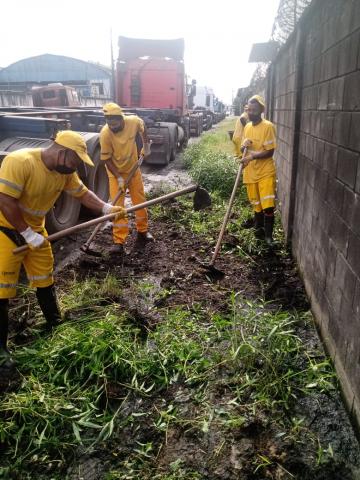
(215,171)
(192,154)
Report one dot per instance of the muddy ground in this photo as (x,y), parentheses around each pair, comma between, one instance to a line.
(172,264)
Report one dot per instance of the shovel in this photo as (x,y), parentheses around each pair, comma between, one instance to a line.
(201,200)
(210,268)
(86,247)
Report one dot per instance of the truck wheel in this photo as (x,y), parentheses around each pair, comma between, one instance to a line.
(64,214)
(172,155)
(97,179)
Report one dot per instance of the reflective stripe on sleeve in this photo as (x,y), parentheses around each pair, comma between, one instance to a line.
(269,142)
(37,213)
(11,185)
(255,203)
(267,196)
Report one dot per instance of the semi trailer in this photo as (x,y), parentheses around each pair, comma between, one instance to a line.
(27,131)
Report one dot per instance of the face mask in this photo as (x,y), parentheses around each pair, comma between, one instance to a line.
(115,129)
(254,118)
(64,169)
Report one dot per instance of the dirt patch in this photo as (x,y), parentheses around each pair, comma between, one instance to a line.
(230,441)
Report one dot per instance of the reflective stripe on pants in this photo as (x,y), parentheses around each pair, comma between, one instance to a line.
(137,195)
(262,193)
(38,264)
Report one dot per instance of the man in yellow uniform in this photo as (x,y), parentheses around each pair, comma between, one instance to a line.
(31,180)
(239,130)
(119,152)
(259,167)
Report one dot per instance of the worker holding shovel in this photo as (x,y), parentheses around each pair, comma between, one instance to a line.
(31,180)
(259,140)
(119,152)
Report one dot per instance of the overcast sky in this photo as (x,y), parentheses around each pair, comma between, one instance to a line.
(218,35)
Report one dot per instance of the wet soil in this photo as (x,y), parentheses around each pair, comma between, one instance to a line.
(172,263)
(172,266)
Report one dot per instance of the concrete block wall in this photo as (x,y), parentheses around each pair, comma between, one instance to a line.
(319,141)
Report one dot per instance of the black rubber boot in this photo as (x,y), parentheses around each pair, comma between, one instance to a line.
(269,227)
(142,238)
(117,250)
(6,362)
(259,225)
(248,223)
(145,237)
(49,305)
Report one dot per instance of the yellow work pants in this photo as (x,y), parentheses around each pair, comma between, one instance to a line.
(262,193)
(38,264)
(137,195)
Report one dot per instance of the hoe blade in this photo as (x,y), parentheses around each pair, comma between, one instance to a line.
(202,199)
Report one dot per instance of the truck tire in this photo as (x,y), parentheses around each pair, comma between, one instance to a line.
(64,214)
(97,179)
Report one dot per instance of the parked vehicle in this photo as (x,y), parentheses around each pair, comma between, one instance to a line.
(151,82)
(55,95)
(25,131)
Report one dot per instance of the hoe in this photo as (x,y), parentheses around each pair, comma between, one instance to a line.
(201,200)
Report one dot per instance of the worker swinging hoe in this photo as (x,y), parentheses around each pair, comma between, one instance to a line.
(201,200)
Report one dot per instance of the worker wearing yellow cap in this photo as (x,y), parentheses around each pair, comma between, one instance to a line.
(119,152)
(259,138)
(31,180)
(239,130)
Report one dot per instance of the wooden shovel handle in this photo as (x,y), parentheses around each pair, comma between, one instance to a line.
(110,216)
(228,212)
(121,191)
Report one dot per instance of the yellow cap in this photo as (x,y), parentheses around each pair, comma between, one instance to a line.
(74,141)
(112,109)
(259,99)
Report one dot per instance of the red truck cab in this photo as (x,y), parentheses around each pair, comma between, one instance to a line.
(151,82)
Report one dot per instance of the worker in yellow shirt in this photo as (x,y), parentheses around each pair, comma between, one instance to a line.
(239,130)
(120,154)
(259,139)
(31,180)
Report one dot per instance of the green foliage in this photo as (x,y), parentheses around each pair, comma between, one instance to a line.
(65,376)
(211,163)
(215,171)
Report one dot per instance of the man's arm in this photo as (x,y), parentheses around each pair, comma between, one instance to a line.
(92,201)
(12,212)
(144,135)
(257,156)
(112,168)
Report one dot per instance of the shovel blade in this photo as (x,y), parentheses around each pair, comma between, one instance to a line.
(202,199)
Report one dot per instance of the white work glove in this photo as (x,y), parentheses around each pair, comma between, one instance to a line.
(121,182)
(33,239)
(146,149)
(108,208)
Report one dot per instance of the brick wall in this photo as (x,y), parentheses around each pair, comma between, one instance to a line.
(314,97)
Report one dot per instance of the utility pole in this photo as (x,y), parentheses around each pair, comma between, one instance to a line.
(112,68)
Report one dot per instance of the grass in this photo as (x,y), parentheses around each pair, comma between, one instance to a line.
(98,383)
(63,403)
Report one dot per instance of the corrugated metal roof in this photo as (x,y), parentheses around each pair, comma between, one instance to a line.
(52,68)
